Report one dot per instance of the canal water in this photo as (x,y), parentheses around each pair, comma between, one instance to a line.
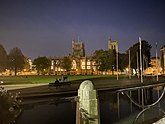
(50,111)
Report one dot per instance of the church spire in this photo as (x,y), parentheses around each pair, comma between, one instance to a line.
(73,38)
(109,39)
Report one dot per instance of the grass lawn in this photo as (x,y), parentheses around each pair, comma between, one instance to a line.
(41,79)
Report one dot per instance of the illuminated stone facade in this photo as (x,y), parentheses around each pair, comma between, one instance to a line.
(155,67)
(155,62)
(87,66)
(56,67)
(78,49)
(112,44)
(162,50)
(80,66)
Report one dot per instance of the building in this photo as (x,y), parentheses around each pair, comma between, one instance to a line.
(56,68)
(112,44)
(155,67)
(80,66)
(78,49)
(155,62)
(162,50)
(87,66)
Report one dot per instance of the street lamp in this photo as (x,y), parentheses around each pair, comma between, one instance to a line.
(141,68)
(117,59)
(156,63)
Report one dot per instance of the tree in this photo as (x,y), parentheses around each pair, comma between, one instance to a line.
(123,61)
(16,60)
(67,63)
(3,58)
(105,59)
(27,65)
(146,47)
(42,63)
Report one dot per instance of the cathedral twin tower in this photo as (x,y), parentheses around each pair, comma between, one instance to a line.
(78,48)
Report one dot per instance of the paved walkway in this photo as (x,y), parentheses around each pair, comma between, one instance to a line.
(20,86)
(45,89)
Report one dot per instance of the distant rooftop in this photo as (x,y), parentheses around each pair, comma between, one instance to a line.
(163,47)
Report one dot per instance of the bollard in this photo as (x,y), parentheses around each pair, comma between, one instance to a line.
(87,106)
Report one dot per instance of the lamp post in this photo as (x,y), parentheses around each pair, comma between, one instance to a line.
(117,63)
(129,64)
(141,68)
(141,75)
(156,64)
(137,64)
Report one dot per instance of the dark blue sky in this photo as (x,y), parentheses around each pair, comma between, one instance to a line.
(46,27)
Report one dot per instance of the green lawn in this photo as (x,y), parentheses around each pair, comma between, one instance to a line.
(40,79)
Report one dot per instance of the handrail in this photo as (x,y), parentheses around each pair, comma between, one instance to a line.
(139,105)
(141,112)
(144,107)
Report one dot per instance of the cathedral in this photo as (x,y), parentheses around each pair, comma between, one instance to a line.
(81,64)
(78,49)
(112,44)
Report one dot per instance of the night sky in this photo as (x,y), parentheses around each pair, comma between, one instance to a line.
(46,27)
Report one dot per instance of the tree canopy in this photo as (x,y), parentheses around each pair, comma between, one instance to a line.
(123,61)
(105,59)
(146,47)
(41,64)
(67,63)
(16,59)
(3,58)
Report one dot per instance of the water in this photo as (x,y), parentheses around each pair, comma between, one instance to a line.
(109,109)
(50,111)
(48,114)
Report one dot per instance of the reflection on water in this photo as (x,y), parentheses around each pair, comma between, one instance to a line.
(126,111)
(109,108)
(53,111)
(48,114)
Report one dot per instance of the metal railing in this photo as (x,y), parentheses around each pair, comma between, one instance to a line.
(128,93)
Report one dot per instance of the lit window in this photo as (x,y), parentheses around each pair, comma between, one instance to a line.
(83,67)
(83,63)
(88,63)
